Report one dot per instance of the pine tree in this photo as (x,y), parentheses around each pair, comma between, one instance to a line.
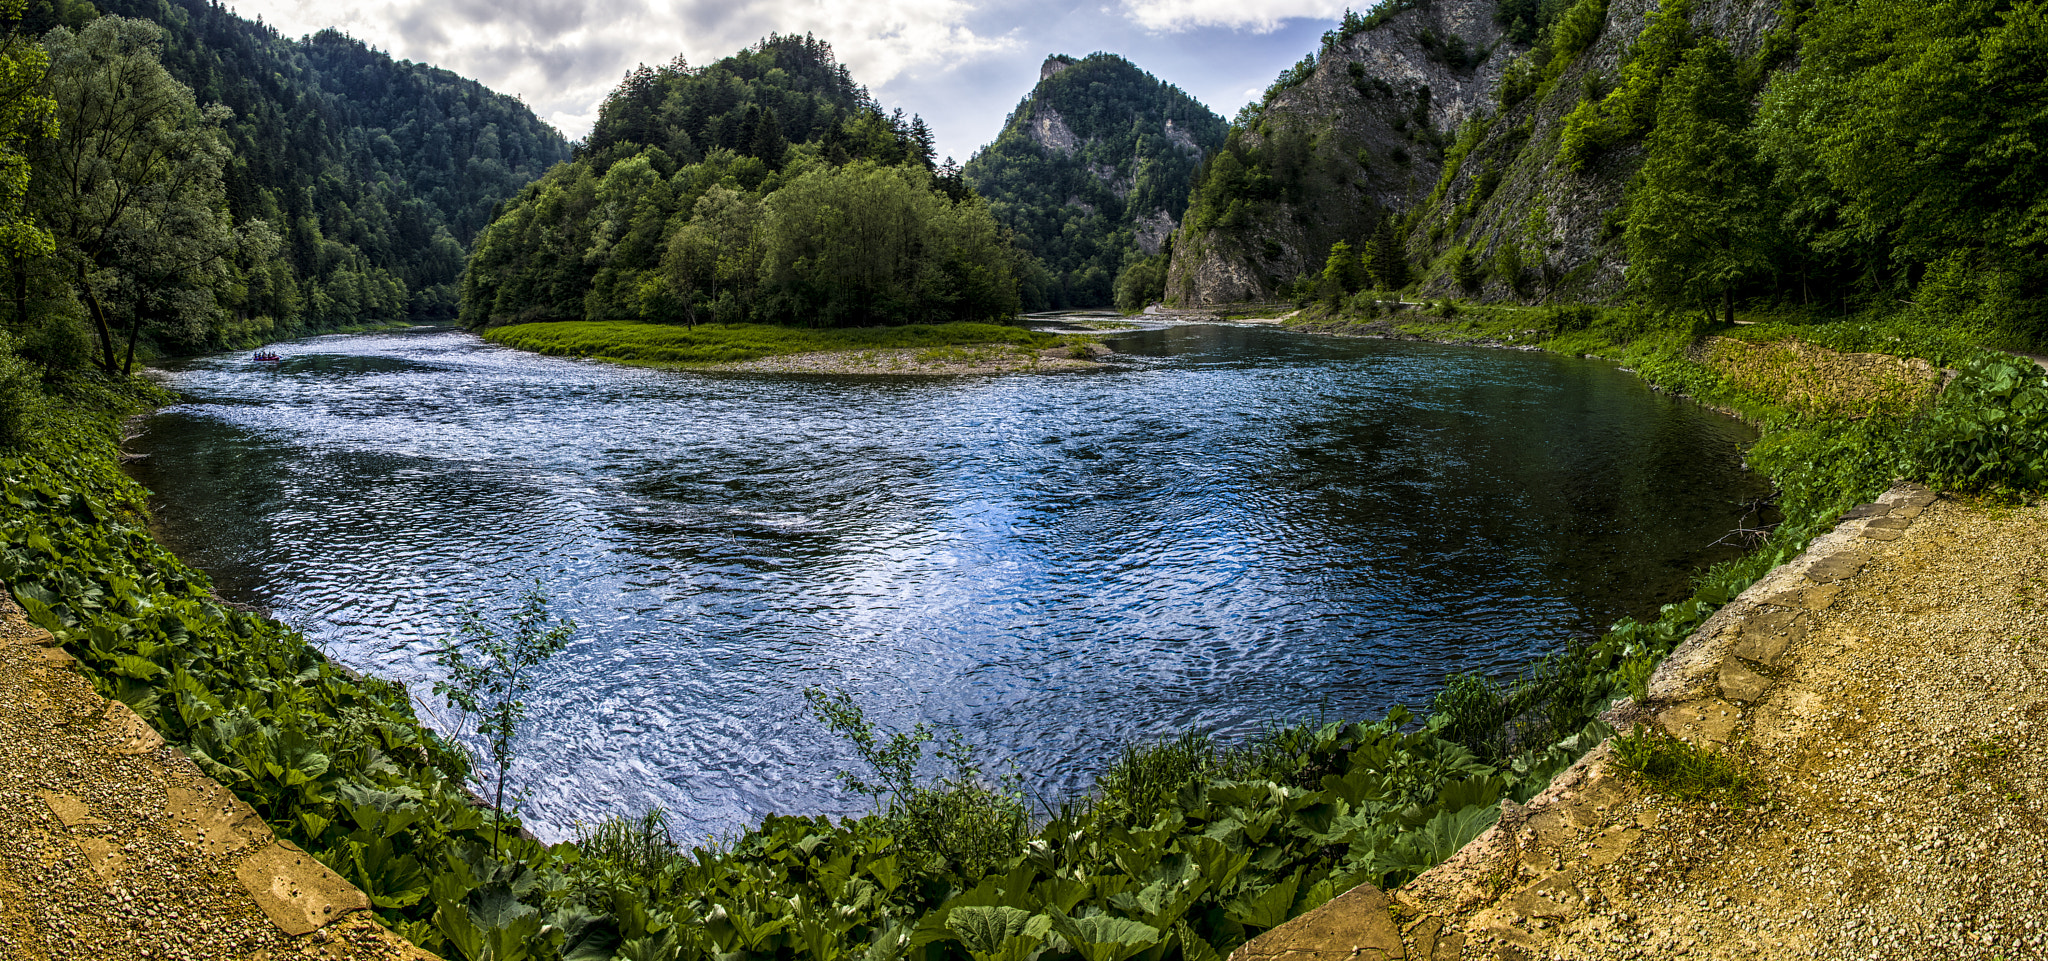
(767,142)
(922,143)
(1390,257)
(1701,222)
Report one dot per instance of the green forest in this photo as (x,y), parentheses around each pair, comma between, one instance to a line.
(189,180)
(767,187)
(1082,209)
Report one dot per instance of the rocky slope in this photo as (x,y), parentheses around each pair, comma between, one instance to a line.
(1437,116)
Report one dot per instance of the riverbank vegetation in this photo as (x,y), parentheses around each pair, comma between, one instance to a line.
(633,342)
(1184,850)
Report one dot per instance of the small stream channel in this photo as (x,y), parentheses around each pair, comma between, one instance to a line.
(1223,527)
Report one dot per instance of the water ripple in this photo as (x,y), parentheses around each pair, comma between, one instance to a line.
(1227,526)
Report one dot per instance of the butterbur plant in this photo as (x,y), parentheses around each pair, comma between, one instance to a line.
(490,675)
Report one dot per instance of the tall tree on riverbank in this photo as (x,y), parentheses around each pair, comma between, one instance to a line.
(131,189)
(1701,213)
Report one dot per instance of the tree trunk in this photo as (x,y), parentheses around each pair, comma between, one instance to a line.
(1728,305)
(99,323)
(134,330)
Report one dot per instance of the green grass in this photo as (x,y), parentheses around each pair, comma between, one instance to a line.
(633,342)
(1684,771)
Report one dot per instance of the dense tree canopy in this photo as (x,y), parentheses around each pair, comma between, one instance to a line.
(1081,208)
(374,174)
(1703,206)
(766,187)
(754,103)
(1900,162)
(130,187)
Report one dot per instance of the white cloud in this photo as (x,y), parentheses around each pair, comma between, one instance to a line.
(1260,17)
(563,56)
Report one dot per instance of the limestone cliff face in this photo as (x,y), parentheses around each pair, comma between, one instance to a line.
(1048,130)
(1372,132)
(1367,128)
(1564,224)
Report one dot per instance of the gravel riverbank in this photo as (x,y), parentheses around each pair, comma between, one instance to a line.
(1889,690)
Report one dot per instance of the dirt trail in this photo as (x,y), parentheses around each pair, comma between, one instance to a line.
(115,847)
(1890,687)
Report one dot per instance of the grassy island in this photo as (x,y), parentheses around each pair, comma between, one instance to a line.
(905,349)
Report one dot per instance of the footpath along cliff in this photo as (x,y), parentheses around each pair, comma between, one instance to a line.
(1882,695)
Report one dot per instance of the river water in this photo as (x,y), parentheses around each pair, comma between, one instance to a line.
(1223,527)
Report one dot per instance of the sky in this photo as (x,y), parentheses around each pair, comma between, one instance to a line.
(961,64)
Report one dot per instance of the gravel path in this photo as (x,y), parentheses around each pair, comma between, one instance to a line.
(114,847)
(1890,690)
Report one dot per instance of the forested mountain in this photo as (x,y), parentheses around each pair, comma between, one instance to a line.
(1092,171)
(371,175)
(768,186)
(1834,156)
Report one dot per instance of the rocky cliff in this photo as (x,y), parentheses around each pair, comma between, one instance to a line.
(1437,114)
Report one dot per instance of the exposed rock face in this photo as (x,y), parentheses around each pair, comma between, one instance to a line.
(1151,230)
(1182,139)
(1560,218)
(1052,66)
(1377,110)
(1383,106)
(1048,130)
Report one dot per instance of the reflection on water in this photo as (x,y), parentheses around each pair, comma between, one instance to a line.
(1227,525)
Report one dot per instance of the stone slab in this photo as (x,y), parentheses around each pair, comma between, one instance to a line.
(1766,637)
(1705,721)
(1862,511)
(1836,567)
(1883,534)
(1357,925)
(1553,898)
(57,657)
(1888,524)
(71,811)
(104,858)
(1742,685)
(298,893)
(1811,597)
(127,730)
(213,818)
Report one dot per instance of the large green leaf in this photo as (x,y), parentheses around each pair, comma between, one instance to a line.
(1103,938)
(998,932)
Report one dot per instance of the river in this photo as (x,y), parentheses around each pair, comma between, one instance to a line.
(1223,527)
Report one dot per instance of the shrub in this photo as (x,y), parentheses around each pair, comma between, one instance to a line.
(21,396)
(1990,430)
